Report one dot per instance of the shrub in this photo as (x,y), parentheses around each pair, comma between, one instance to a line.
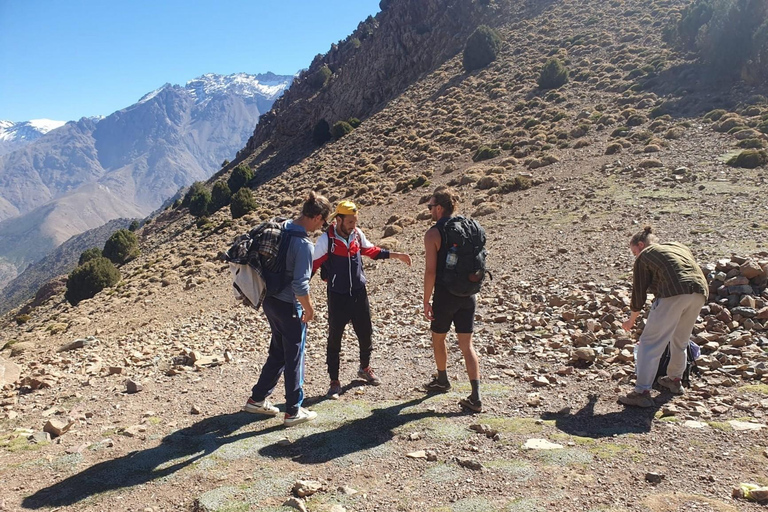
(319,78)
(195,188)
(481,48)
(225,163)
(242,203)
(134,225)
(241,175)
(322,132)
(513,185)
(89,279)
(613,148)
(220,196)
(353,122)
(340,129)
(200,202)
(89,254)
(553,74)
(752,144)
(485,153)
(22,319)
(121,247)
(749,159)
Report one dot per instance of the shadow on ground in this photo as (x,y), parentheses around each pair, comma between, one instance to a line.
(353,436)
(585,423)
(186,445)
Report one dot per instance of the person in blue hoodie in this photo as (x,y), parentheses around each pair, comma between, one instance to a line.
(288,313)
(339,252)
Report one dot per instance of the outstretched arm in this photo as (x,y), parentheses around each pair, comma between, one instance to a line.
(401,256)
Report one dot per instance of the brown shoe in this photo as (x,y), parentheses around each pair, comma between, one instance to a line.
(636,399)
(673,385)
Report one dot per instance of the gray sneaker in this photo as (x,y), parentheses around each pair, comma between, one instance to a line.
(263,407)
(303,416)
(637,399)
(673,385)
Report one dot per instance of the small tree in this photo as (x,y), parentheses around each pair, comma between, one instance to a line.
(225,163)
(134,225)
(340,129)
(90,278)
(553,74)
(200,202)
(89,254)
(320,77)
(220,196)
(241,175)
(322,132)
(481,48)
(121,247)
(242,203)
(194,189)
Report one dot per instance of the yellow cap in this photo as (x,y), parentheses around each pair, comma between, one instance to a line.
(346,208)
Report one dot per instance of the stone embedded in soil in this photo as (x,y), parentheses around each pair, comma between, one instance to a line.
(654,478)
(296,503)
(304,488)
(469,463)
(57,427)
(132,387)
(9,372)
(541,444)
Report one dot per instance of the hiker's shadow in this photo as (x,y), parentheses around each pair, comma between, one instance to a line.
(175,452)
(585,423)
(351,436)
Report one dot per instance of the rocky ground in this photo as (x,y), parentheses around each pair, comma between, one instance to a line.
(130,400)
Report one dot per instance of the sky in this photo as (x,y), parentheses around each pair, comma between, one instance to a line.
(67,59)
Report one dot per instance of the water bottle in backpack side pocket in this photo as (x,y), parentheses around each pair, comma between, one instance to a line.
(452,258)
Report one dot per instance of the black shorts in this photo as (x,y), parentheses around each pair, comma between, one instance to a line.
(448,308)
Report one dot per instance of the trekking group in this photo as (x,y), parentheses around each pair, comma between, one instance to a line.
(273,266)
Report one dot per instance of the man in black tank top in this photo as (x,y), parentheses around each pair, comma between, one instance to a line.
(446,308)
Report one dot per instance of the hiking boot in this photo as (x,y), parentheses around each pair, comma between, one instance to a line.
(368,376)
(673,385)
(303,416)
(435,386)
(472,405)
(637,399)
(263,407)
(334,390)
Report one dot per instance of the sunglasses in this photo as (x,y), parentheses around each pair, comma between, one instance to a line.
(430,206)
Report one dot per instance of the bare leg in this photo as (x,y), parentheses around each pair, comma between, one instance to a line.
(440,350)
(468,351)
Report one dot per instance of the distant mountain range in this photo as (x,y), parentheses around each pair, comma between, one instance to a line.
(14,136)
(85,173)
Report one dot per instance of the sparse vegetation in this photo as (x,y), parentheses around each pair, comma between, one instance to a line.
(485,153)
(340,129)
(320,77)
(220,196)
(89,279)
(121,247)
(242,203)
(481,49)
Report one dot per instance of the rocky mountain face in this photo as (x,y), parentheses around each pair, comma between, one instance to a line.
(125,165)
(14,136)
(142,384)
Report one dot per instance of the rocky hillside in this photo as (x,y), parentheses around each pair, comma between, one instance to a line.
(559,178)
(124,165)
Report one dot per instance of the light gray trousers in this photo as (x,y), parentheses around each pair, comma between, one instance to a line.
(670,321)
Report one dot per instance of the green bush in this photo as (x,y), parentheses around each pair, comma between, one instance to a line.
(322,132)
(89,279)
(752,144)
(121,247)
(513,185)
(220,196)
(194,189)
(749,159)
(319,78)
(241,175)
(22,319)
(134,225)
(553,75)
(485,153)
(340,129)
(242,203)
(200,202)
(353,122)
(481,48)
(89,254)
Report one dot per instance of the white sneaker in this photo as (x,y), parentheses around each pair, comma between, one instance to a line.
(303,416)
(263,407)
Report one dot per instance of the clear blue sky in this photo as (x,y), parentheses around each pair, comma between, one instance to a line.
(65,59)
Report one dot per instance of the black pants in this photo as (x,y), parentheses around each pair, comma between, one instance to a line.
(343,308)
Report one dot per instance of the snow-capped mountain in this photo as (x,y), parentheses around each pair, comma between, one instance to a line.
(126,164)
(16,135)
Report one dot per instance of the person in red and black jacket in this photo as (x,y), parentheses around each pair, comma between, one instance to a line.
(338,252)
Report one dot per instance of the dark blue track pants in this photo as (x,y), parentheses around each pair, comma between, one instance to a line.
(286,354)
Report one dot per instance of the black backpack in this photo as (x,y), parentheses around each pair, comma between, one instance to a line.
(463,271)
(690,367)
